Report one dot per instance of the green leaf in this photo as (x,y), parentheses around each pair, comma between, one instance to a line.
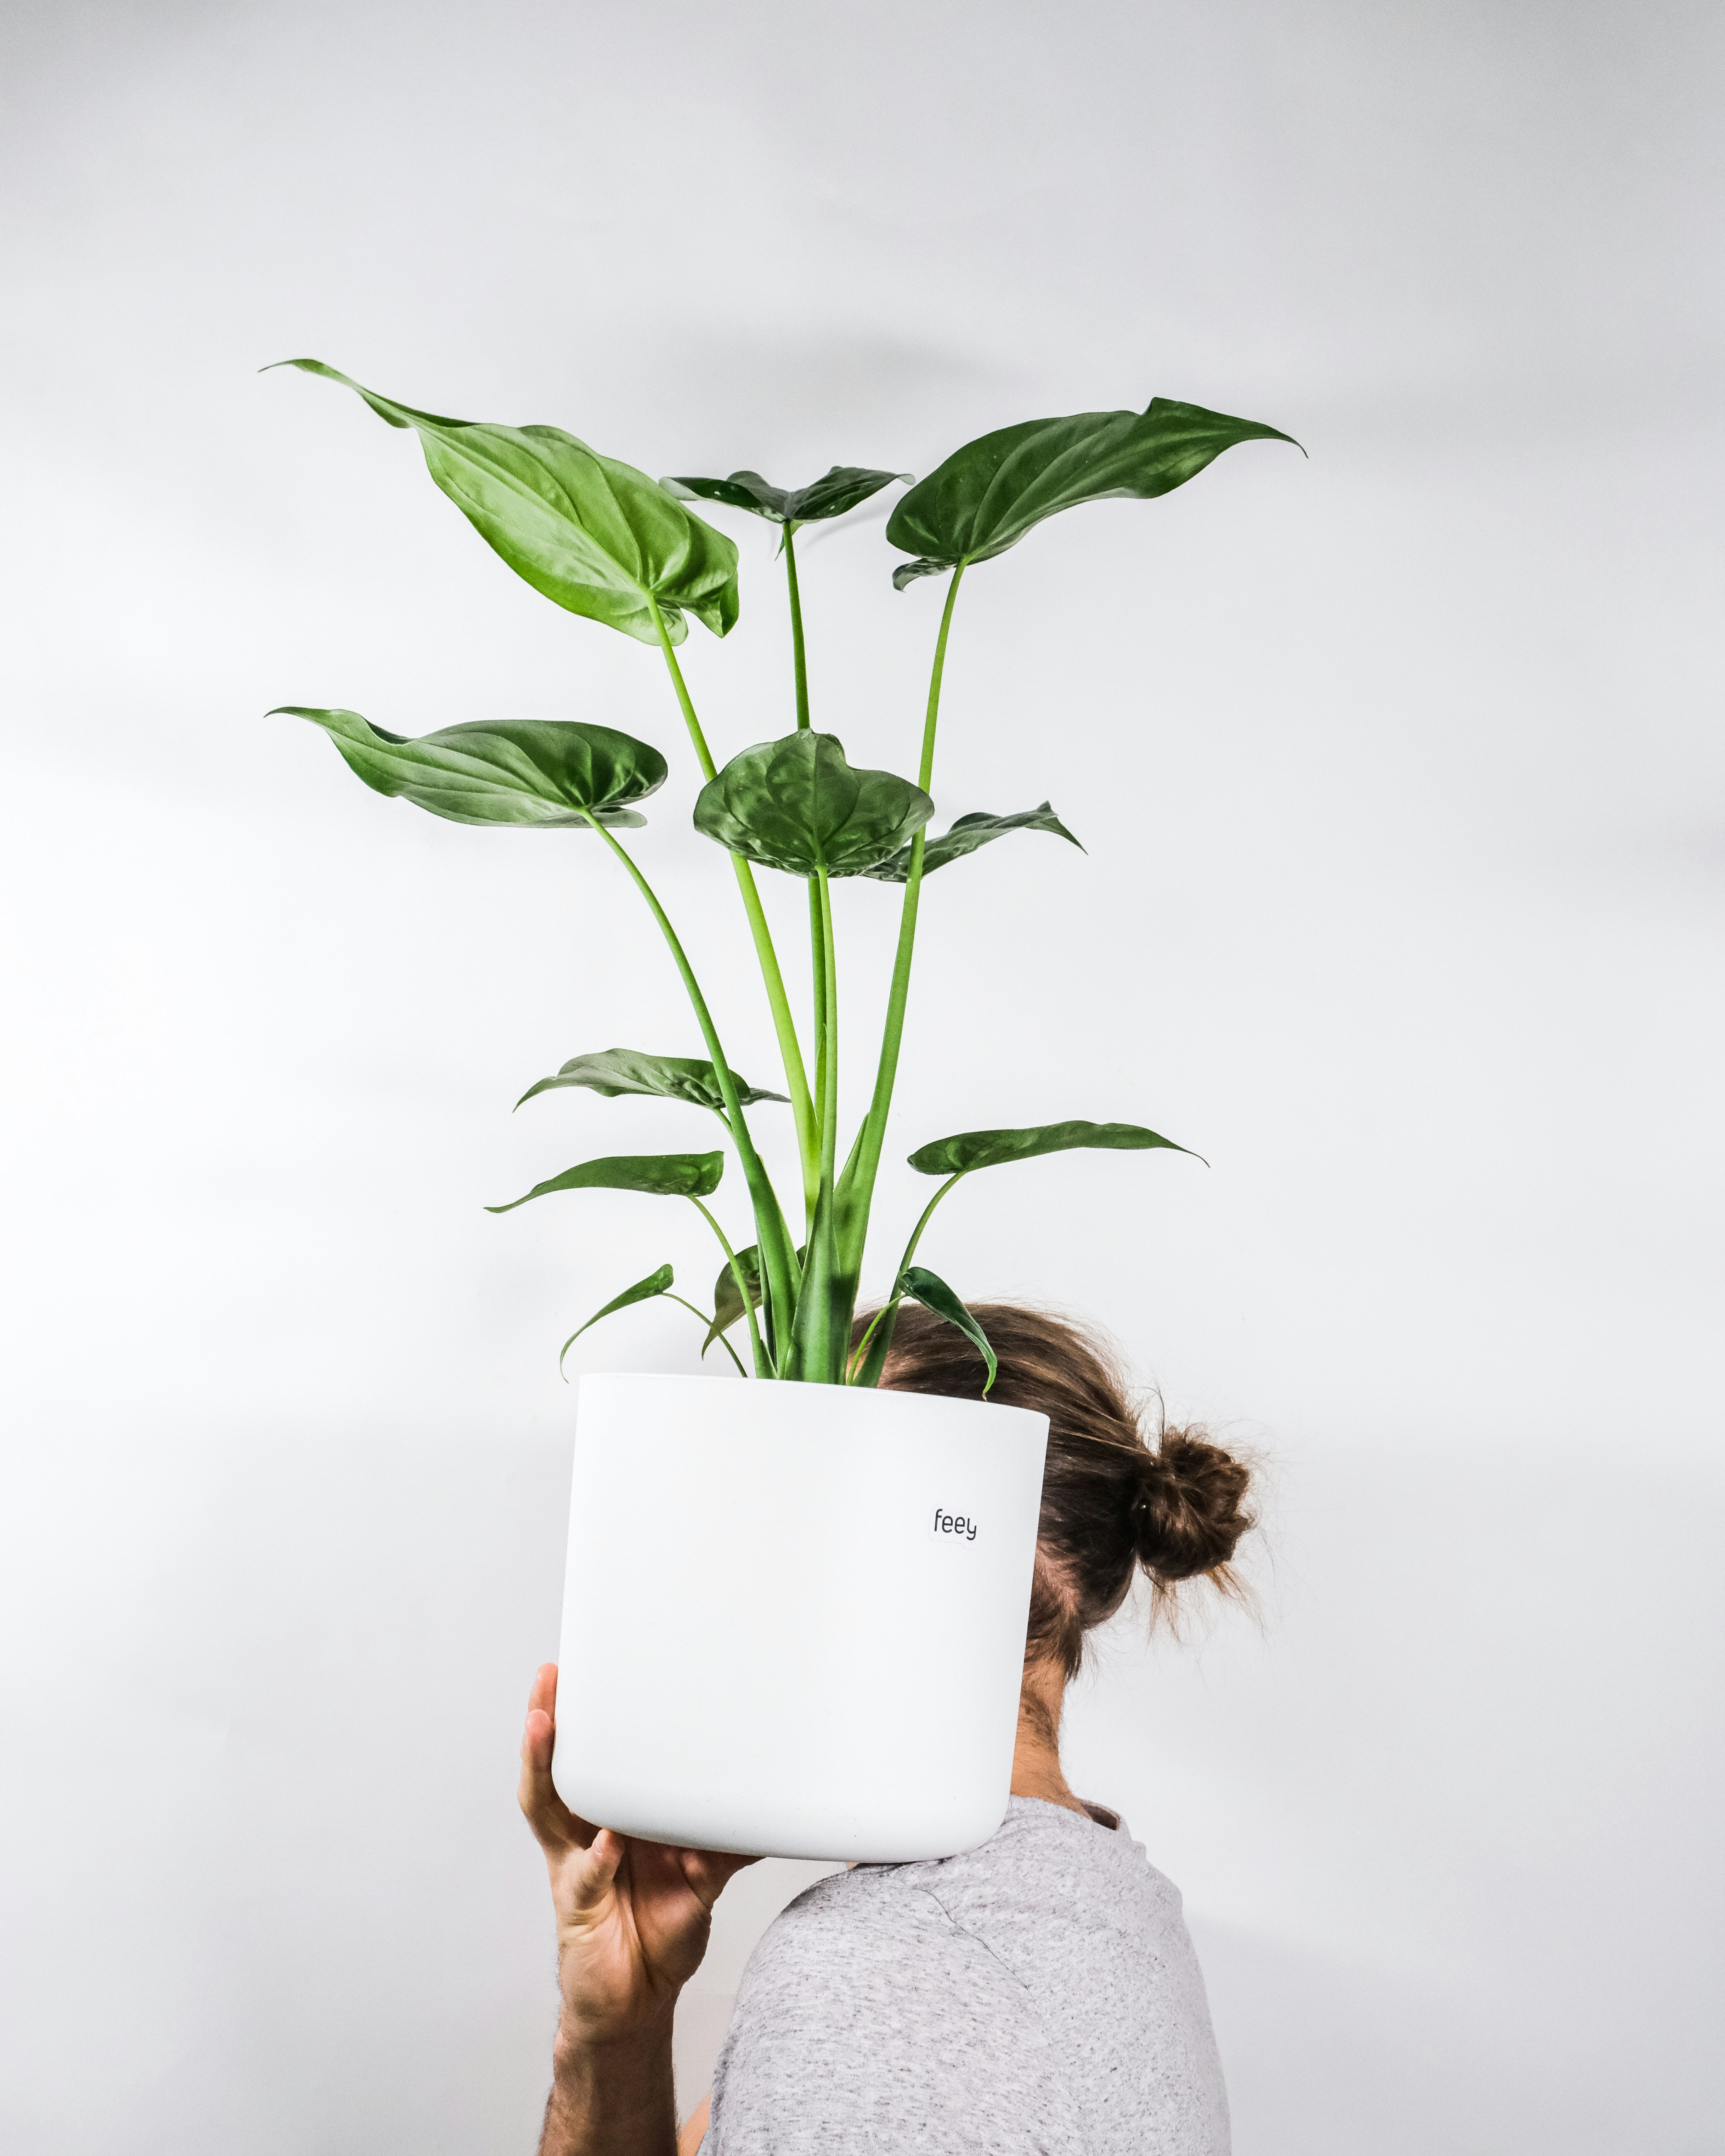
(966,835)
(644,1290)
(796,805)
(727,1303)
(842,488)
(987,495)
(928,1289)
(613,1071)
(596,535)
(545,772)
(973,1149)
(659,1175)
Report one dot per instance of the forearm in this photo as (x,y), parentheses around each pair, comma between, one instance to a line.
(614,2099)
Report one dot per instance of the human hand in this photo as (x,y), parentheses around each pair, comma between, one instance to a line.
(633,1917)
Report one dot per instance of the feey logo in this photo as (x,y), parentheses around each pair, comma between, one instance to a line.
(952,1523)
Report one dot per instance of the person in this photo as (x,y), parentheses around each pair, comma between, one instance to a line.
(1036,1996)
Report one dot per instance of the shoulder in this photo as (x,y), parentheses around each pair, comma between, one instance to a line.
(1049,1871)
(870,1938)
(869,2018)
(1037,1993)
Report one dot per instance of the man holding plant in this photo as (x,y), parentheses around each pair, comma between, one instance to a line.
(1037,1993)
(1038,1996)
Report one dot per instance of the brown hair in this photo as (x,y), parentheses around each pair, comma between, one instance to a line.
(1110,1503)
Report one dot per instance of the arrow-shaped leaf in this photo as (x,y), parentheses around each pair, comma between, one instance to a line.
(843,487)
(966,835)
(596,535)
(611,1071)
(928,1289)
(644,1290)
(541,772)
(658,1175)
(797,805)
(973,1149)
(987,495)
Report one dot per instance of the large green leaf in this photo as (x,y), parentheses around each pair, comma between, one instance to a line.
(658,1174)
(931,1292)
(644,1290)
(535,771)
(613,1071)
(796,805)
(966,835)
(840,489)
(987,495)
(973,1149)
(727,1303)
(598,536)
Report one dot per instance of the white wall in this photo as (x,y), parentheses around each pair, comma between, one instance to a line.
(1400,777)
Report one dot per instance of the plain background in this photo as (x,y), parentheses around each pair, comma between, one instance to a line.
(1399,774)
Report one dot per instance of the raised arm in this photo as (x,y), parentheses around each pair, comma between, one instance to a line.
(633,1919)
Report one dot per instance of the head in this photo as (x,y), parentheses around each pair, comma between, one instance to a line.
(1112,1501)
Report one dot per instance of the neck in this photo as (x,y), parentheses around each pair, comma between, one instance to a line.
(1036,1754)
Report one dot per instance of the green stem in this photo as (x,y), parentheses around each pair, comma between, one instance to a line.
(777,1259)
(860,1172)
(800,657)
(888,1310)
(707,1322)
(789,1049)
(764,1367)
(830,1037)
(823,1314)
(861,1348)
(927,1214)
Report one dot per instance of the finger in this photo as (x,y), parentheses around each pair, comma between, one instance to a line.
(543,1693)
(710,1871)
(545,1811)
(596,1877)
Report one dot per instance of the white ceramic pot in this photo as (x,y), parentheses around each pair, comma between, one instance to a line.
(793,1620)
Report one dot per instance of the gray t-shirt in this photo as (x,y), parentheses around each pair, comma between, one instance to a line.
(1038,1996)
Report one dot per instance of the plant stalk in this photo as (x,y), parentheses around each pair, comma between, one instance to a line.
(799,654)
(778,1266)
(707,1320)
(823,1317)
(763,1368)
(857,1189)
(789,1049)
(863,1368)
(800,657)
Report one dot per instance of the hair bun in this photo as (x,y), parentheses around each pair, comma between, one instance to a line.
(1190,1510)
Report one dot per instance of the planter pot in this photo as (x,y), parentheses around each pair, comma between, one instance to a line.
(793,1620)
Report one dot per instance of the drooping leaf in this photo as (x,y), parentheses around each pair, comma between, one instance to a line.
(987,495)
(543,772)
(841,488)
(973,1149)
(967,834)
(796,805)
(727,1303)
(611,1071)
(596,535)
(658,1174)
(928,1289)
(644,1290)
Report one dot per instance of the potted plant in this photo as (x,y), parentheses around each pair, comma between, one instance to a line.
(814,1648)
